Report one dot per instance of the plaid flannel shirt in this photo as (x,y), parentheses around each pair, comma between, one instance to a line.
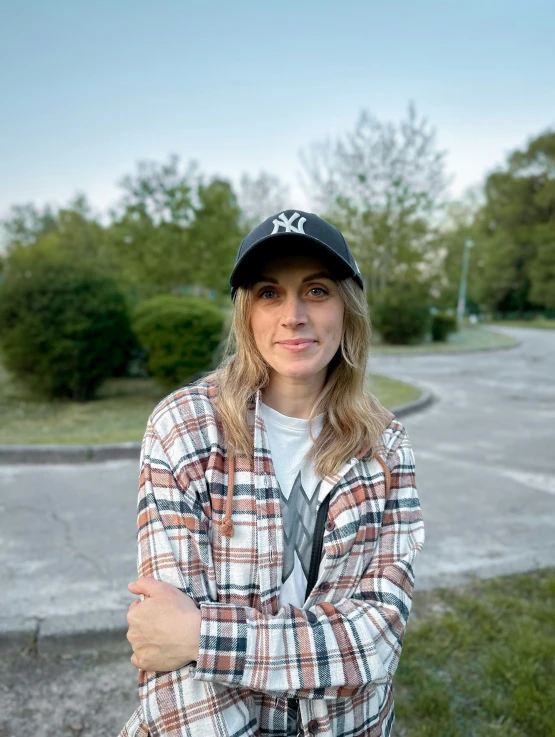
(337,654)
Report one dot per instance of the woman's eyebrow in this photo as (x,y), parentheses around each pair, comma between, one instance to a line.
(270,279)
(310,277)
(318,275)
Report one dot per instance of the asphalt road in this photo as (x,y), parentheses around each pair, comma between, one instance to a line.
(70,694)
(485,458)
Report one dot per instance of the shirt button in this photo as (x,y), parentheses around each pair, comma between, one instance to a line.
(330,525)
(326,586)
(312,727)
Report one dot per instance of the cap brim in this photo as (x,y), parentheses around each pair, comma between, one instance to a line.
(244,271)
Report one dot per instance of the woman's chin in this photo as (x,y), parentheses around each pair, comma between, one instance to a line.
(298,370)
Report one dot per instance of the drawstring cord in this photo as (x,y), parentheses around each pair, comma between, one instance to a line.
(226,525)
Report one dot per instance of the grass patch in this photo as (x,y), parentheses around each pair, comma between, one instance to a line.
(540,322)
(465,339)
(480,660)
(118,415)
(391,392)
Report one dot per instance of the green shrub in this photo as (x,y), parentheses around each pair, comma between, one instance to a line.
(442,326)
(64,328)
(401,315)
(179,335)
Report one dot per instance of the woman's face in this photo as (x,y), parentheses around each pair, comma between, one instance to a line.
(297,316)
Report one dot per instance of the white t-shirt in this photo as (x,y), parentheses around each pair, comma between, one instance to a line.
(290,442)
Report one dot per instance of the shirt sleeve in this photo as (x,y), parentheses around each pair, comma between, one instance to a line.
(166,518)
(327,650)
(169,517)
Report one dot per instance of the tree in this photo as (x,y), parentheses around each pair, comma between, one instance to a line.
(149,231)
(164,192)
(72,232)
(151,257)
(261,196)
(542,274)
(175,230)
(382,185)
(517,224)
(27,223)
(447,248)
(215,234)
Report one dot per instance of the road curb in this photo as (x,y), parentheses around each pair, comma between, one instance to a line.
(423,401)
(32,454)
(95,630)
(438,354)
(18,635)
(77,454)
(90,631)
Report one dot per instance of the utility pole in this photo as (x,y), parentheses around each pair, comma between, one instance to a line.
(461,306)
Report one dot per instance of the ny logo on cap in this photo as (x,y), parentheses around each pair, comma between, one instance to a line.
(287,224)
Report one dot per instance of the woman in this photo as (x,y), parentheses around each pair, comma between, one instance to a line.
(278,515)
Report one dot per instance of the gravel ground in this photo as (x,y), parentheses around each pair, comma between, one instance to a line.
(67,695)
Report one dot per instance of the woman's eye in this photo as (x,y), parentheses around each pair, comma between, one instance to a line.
(271,293)
(263,294)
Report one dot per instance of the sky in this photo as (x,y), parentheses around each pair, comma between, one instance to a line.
(89,89)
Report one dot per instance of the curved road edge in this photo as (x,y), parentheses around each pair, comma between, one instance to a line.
(74,454)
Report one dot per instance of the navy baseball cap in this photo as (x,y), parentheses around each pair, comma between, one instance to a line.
(264,242)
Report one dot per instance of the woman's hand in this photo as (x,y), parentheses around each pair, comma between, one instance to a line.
(164,629)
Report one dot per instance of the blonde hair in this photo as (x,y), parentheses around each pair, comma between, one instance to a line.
(353,417)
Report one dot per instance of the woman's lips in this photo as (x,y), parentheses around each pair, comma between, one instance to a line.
(296,346)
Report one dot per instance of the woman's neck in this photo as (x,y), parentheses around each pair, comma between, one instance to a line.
(291,396)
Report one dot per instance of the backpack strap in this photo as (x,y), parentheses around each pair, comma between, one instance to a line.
(318,538)
(317,544)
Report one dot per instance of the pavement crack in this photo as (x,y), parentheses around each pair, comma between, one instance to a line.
(31,647)
(70,545)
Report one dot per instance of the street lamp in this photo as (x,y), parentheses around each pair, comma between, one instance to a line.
(461,305)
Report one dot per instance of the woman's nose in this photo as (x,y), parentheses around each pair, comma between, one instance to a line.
(293,312)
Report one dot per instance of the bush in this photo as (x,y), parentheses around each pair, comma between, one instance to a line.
(64,328)
(401,315)
(442,326)
(179,335)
